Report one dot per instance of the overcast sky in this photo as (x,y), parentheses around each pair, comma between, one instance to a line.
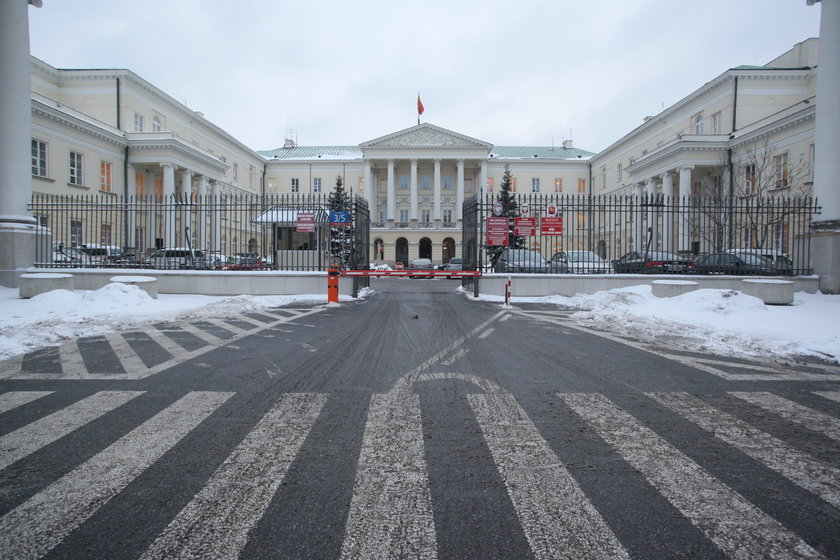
(529,72)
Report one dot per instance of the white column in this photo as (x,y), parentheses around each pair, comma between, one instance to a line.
(459,194)
(669,212)
(437,214)
(169,230)
(215,218)
(150,199)
(392,196)
(482,178)
(184,196)
(370,191)
(638,234)
(413,204)
(201,222)
(685,208)
(825,243)
(131,213)
(17,226)
(650,231)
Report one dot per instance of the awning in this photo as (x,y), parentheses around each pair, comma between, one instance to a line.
(288,216)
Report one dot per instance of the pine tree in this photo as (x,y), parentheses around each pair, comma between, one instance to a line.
(341,237)
(510,208)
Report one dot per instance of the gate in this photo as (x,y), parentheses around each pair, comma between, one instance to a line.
(471,235)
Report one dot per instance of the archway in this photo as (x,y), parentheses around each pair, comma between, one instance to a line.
(448,248)
(402,250)
(425,248)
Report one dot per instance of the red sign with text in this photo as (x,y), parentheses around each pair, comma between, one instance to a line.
(306,222)
(524,226)
(497,230)
(551,226)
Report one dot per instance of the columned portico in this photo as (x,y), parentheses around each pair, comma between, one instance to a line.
(413,203)
(392,195)
(436,215)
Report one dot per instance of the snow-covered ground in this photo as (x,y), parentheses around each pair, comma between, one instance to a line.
(722,322)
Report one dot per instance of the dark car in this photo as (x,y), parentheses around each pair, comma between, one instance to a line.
(523,260)
(244,263)
(743,264)
(653,262)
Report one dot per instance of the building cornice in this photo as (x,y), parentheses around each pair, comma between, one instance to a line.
(172,143)
(710,144)
(60,114)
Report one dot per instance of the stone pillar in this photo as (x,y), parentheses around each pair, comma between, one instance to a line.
(169,227)
(825,241)
(392,196)
(18,228)
(459,193)
(684,224)
(370,191)
(669,212)
(201,220)
(413,203)
(436,209)
(215,221)
(650,231)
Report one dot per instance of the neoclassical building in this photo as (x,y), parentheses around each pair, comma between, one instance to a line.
(750,129)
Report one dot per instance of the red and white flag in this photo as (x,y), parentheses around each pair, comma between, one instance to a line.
(420,107)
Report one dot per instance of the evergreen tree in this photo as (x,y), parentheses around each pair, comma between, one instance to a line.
(341,237)
(510,209)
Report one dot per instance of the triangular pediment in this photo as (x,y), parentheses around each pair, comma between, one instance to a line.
(425,136)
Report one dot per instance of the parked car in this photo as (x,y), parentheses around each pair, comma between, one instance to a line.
(455,264)
(174,258)
(653,262)
(210,261)
(102,255)
(744,264)
(421,264)
(70,256)
(780,261)
(524,260)
(581,262)
(243,263)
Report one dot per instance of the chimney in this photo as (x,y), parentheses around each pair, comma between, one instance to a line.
(567,144)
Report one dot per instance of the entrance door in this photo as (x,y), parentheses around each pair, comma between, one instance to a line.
(425,248)
(402,251)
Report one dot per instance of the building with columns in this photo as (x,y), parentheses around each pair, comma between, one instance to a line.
(416,181)
(749,131)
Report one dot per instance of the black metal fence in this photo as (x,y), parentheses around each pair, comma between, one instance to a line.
(617,228)
(228,232)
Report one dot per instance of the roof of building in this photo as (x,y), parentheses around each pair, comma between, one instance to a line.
(313,152)
(538,152)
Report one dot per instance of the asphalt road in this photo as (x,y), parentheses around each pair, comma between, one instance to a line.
(413,424)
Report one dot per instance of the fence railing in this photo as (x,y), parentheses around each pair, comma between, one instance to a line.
(232,232)
(616,229)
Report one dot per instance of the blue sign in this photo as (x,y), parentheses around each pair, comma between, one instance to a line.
(341,218)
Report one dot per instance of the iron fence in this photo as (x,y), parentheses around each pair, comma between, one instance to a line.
(229,232)
(622,228)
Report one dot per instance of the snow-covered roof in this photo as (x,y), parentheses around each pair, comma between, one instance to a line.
(313,152)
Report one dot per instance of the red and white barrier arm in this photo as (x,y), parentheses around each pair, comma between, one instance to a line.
(414,273)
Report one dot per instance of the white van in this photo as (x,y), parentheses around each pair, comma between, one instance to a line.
(102,255)
(174,258)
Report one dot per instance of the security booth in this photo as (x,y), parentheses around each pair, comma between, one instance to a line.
(300,237)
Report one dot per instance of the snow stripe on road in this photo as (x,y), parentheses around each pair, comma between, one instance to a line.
(30,438)
(731,522)
(391,509)
(216,522)
(793,411)
(830,395)
(812,475)
(14,399)
(557,518)
(39,524)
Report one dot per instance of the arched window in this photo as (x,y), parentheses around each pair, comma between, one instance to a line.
(425,248)
(448,248)
(698,124)
(402,251)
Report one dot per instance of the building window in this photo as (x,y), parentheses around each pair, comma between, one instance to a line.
(581,185)
(104,176)
(139,122)
(603,176)
(698,124)
(76,230)
(581,220)
(105,234)
(447,182)
(156,124)
(403,216)
(426,182)
(316,184)
(780,162)
(750,186)
(490,182)
(618,173)
(235,171)
(811,153)
(383,216)
(425,216)
(139,185)
(295,185)
(558,184)
(39,158)
(513,184)
(76,168)
(403,182)
(716,123)
(447,216)
(535,185)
